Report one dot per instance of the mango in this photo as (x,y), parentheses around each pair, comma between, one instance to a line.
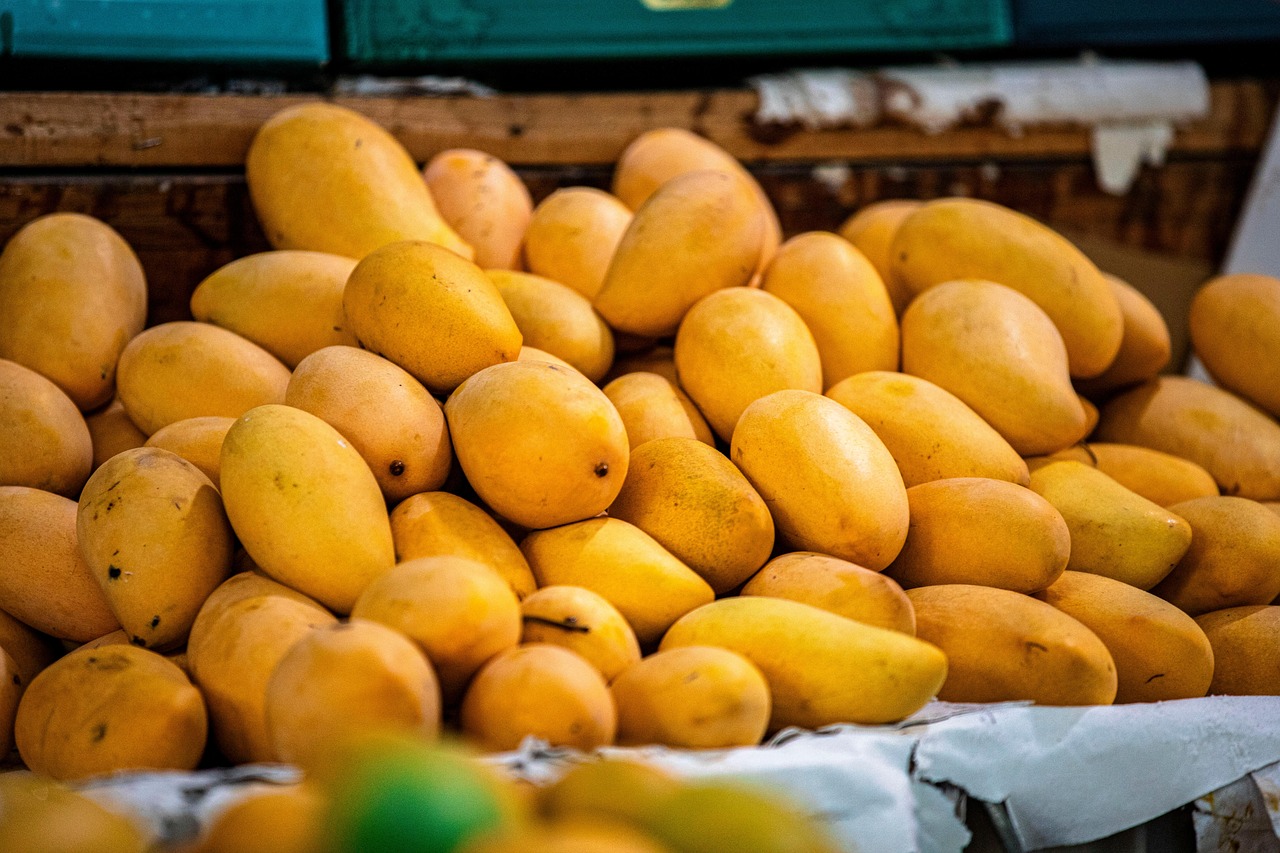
(287,302)
(1235,549)
(31,651)
(154,534)
(460,612)
(622,564)
(699,233)
(828,481)
(72,294)
(930,432)
(659,359)
(1002,646)
(1235,329)
(821,668)
(410,292)
(1236,443)
(1145,347)
(998,352)
(441,524)
(103,710)
(871,230)
(1274,506)
(960,238)
(184,370)
(583,622)
(713,815)
(46,583)
(697,505)
(841,298)
(483,201)
(42,816)
(238,587)
(111,431)
(540,444)
(541,690)
(558,319)
(197,440)
(572,236)
(11,688)
(652,407)
(1159,651)
(305,505)
(1161,478)
(695,697)
(341,680)
(837,586)
(1246,650)
(610,788)
(325,178)
(283,819)
(1091,415)
(44,442)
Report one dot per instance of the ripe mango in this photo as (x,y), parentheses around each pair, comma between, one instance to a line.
(838,586)
(197,440)
(829,482)
(42,816)
(483,201)
(72,294)
(44,442)
(282,819)
(710,816)
(1235,329)
(572,236)
(238,587)
(610,788)
(1145,347)
(1161,478)
(583,622)
(652,407)
(111,431)
(558,319)
(871,230)
(31,651)
(1246,650)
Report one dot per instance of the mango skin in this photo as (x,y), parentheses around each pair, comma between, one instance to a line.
(72,294)
(931,433)
(111,432)
(283,819)
(572,236)
(583,622)
(958,238)
(1145,348)
(871,230)
(42,816)
(1236,443)
(822,669)
(44,442)
(238,587)
(31,651)
(1002,646)
(483,201)
(829,482)
(1235,329)
(197,440)
(1161,478)
(115,708)
(185,370)
(1246,654)
(1159,651)
(287,302)
(556,318)
(305,505)
(653,407)
(47,584)
(154,534)
(838,586)
(324,178)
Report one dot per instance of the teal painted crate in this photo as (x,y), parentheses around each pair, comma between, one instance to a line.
(276,31)
(1084,23)
(400,31)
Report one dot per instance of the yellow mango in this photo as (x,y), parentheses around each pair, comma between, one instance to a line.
(435,524)
(233,653)
(1236,443)
(821,668)
(1235,329)
(1159,651)
(961,238)
(572,236)
(843,588)
(699,233)
(111,431)
(697,505)
(305,505)
(115,708)
(1246,650)
(1002,646)
(197,440)
(1091,415)
(287,302)
(72,294)
(738,345)
(557,319)
(931,433)
(659,359)
(153,532)
(238,587)
(828,481)
(185,370)
(1161,478)
(1274,506)
(324,178)
(623,565)
(583,622)
(282,819)
(652,407)
(388,417)
(727,814)
(46,583)
(1000,354)
(1145,348)
(872,230)
(610,788)
(459,611)
(42,816)
(44,442)
(484,201)
(841,298)
(346,679)
(541,690)
(12,685)
(407,293)
(31,651)
(541,445)
(987,532)
(695,697)
(1232,561)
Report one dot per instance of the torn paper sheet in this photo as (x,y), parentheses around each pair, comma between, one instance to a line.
(370,86)
(1235,818)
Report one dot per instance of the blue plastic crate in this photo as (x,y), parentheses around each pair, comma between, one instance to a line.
(1082,23)
(294,31)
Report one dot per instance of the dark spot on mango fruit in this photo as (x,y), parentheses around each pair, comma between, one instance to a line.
(397,468)
(99,732)
(138,641)
(155,621)
(113,572)
(602,470)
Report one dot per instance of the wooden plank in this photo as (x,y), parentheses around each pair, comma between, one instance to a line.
(77,130)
